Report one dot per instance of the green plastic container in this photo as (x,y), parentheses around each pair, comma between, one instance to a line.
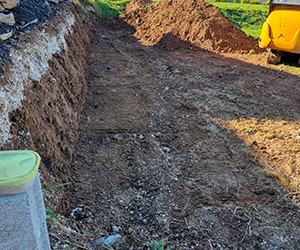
(18,168)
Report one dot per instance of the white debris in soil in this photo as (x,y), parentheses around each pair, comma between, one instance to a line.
(75,210)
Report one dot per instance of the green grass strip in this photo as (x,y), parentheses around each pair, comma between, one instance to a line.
(109,8)
(248,17)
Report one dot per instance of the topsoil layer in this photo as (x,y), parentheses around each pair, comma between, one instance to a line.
(196,21)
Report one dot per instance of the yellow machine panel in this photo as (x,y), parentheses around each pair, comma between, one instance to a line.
(281,31)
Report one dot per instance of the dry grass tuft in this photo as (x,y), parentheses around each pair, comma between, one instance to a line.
(275,144)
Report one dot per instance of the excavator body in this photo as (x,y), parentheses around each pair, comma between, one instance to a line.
(281,31)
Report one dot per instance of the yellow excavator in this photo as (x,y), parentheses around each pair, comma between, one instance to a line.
(281,32)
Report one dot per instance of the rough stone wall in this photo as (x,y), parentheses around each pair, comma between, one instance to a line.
(42,92)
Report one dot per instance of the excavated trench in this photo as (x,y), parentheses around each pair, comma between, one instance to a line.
(146,151)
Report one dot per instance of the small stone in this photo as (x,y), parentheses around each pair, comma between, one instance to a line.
(27,32)
(118,137)
(166,149)
(256,234)
(22,39)
(139,197)
(8,19)
(251,52)
(8,4)
(22,23)
(90,8)
(52,80)
(115,229)
(7,35)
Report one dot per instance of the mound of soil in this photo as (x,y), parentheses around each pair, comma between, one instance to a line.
(196,22)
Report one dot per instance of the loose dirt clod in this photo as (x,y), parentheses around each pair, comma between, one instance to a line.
(197,22)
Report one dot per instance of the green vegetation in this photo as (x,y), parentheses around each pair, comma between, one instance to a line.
(154,245)
(48,208)
(110,8)
(248,17)
(54,187)
(51,214)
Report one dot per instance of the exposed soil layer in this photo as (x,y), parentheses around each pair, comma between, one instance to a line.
(48,120)
(154,161)
(195,21)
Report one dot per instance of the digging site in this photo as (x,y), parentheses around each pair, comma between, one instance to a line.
(142,114)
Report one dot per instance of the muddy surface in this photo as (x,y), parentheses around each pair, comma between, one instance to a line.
(154,160)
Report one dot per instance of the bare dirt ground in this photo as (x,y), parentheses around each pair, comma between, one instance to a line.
(154,160)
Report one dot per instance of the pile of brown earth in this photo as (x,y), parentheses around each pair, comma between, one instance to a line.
(195,22)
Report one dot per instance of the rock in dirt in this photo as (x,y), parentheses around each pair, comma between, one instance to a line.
(8,4)
(192,23)
(7,35)
(115,241)
(8,19)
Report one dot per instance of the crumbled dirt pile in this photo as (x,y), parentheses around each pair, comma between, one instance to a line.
(196,22)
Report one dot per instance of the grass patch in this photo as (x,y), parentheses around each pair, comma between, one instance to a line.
(275,144)
(48,208)
(154,245)
(248,17)
(110,8)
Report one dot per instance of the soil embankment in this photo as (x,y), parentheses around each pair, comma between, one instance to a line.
(44,88)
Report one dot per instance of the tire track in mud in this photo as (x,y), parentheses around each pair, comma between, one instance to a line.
(151,163)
